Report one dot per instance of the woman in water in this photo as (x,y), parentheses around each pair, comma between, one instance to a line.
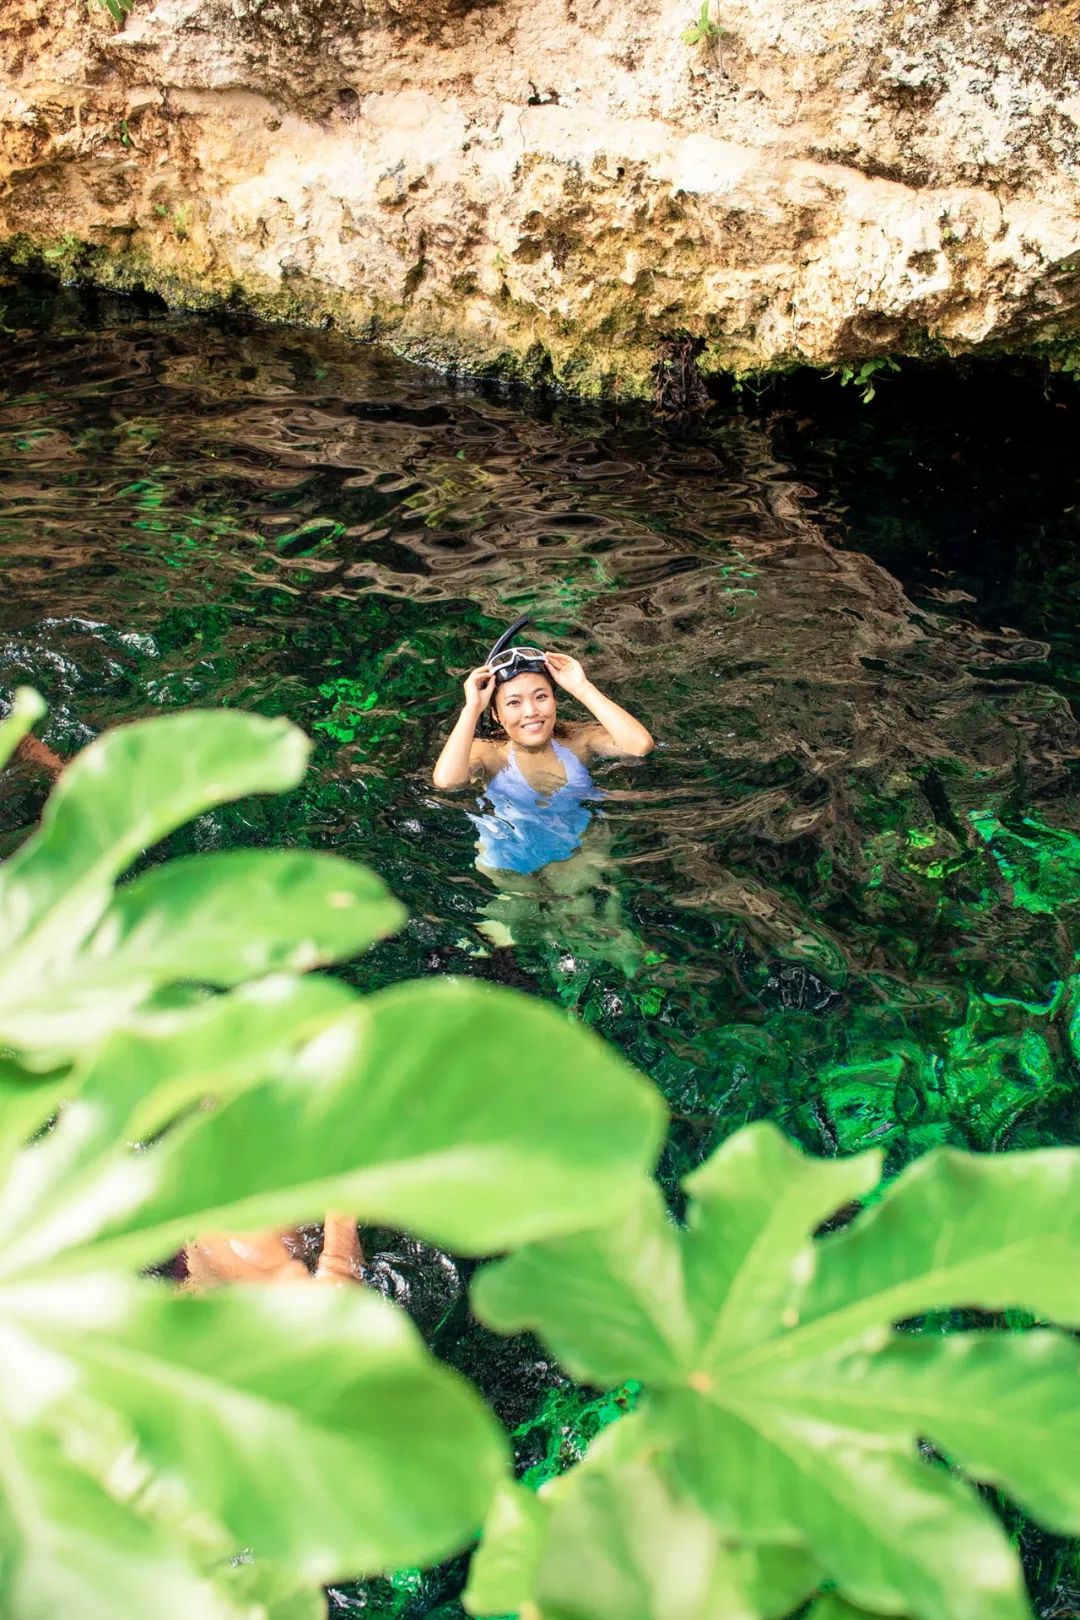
(530,841)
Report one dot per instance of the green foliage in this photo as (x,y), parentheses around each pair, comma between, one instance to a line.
(615,1540)
(783,1410)
(224,1455)
(63,248)
(80,955)
(117,9)
(834,1607)
(861,377)
(179,218)
(701,28)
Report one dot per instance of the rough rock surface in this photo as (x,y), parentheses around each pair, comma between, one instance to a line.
(551,187)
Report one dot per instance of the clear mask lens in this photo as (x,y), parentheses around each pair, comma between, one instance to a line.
(513,655)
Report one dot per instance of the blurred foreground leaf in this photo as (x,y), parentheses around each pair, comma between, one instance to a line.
(786,1406)
(398,1108)
(226,1455)
(79,957)
(307,1425)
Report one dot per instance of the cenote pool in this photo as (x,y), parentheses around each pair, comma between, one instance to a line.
(843,891)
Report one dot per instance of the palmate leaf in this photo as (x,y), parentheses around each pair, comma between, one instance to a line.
(26,1102)
(790,1408)
(503,1569)
(622,1538)
(213,919)
(79,957)
(310,1426)
(614,1539)
(308,1429)
(137,1083)
(401,1109)
(834,1607)
(66,1547)
(272,1590)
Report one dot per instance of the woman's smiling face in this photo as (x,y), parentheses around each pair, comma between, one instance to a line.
(525,706)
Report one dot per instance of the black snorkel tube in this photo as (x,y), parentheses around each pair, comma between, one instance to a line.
(507,636)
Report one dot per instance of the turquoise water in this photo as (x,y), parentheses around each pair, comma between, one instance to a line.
(842,893)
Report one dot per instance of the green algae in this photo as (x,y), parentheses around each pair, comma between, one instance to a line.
(1041,863)
(848,882)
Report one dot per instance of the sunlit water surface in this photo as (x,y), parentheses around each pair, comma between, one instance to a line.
(841,894)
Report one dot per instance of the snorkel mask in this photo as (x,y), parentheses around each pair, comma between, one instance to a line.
(506,662)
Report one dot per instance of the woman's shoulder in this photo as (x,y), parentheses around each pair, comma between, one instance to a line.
(489,754)
(580,736)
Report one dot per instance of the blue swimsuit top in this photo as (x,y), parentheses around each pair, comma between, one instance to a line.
(524,830)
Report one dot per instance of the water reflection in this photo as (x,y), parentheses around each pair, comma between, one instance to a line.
(847,867)
(294,525)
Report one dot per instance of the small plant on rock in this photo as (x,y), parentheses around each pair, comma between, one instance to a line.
(703,29)
(861,377)
(117,9)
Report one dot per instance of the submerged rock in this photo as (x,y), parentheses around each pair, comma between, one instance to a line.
(549,190)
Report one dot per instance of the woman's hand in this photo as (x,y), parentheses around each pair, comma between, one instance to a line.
(567,672)
(479,687)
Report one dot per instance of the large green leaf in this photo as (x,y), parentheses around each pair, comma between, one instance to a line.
(211,919)
(247,1405)
(250,1402)
(26,1102)
(404,1110)
(27,709)
(135,1084)
(306,1429)
(142,1079)
(834,1607)
(67,1548)
(791,1408)
(622,1547)
(614,1539)
(123,794)
(776,1579)
(988,1399)
(307,1426)
(270,1588)
(502,1571)
(976,1230)
(79,957)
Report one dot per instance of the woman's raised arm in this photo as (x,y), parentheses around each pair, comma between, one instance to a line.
(627,735)
(454,766)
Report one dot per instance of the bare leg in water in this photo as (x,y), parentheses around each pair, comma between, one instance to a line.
(224,1257)
(570,903)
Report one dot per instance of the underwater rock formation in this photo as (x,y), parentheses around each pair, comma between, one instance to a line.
(552,189)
